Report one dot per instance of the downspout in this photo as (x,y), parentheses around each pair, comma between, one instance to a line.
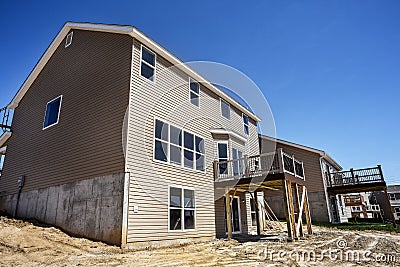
(21,181)
(325,189)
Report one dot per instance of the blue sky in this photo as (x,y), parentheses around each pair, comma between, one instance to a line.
(329,69)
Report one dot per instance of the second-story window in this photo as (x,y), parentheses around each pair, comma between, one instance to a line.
(194,92)
(225,109)
(147,64)
(178,147)
(52,114)
(246,124)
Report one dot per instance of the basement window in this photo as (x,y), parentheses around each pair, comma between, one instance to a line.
(68,40)
(181,209)
(147,63)
(194,93)
(52,114)
(225,109)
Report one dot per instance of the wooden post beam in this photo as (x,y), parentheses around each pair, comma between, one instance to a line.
(307,212)
(287,209)
(299,207)
(291,207)
(390,207)
(228,213)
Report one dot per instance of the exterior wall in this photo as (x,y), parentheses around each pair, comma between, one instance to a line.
(168,99)
(92,74)
(90,208)
(313,181)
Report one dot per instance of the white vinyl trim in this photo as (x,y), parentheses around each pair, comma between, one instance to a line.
(183,188)
(58,115)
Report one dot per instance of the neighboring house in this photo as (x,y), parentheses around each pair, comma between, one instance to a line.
(359,206)
(317,163)
(109,143)
(393,193)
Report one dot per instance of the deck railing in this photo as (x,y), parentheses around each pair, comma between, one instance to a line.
(253,166)
(355,177)
(5,120)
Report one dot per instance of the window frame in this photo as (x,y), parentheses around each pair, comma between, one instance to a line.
(229,105)
(169,143)
(182,188)
(191,91)
(253,212)
(58,115)
(392,197)
(147,64)
(246,125)
(69,37)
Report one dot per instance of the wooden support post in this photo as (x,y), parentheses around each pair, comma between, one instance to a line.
(287,209)
(246,166)
(291,206)
(307,212)
(280,160)
(216,170)
(228,213)
(390,207)
(299,207)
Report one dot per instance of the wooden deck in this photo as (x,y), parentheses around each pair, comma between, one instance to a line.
(273,171)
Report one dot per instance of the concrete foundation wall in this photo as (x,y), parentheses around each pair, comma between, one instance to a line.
(89,208)
(318,208)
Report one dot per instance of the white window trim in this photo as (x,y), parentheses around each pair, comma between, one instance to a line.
(66,39)
(220,107)
(244,124)
(190,91)
(148,64)
(168,162)
(182,208)
(253,212)
(58,115)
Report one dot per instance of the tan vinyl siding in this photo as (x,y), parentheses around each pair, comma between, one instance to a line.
(168,99)
(92,74)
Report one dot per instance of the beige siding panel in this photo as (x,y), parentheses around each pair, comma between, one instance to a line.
(92,74)
(168,99)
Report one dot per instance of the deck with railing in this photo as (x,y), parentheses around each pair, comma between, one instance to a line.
(258,166)
(356,180)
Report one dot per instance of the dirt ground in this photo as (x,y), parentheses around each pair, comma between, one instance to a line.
(22,243)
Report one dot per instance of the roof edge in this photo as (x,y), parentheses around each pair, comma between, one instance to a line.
(322,153)
(120,29)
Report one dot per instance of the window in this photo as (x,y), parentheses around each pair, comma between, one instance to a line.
(246,124)
(225,109)
(181,209)
(237,164)
(392,196)
(178,147)
(148,63)
(223,156)
(68,40)
(52,112)
(194,92)
(253,213)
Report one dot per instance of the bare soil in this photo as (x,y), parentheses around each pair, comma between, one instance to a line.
(25,244)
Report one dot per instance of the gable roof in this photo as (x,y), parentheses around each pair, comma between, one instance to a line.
(322,153)
(134,33)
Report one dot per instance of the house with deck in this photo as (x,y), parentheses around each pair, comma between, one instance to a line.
(114,138)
